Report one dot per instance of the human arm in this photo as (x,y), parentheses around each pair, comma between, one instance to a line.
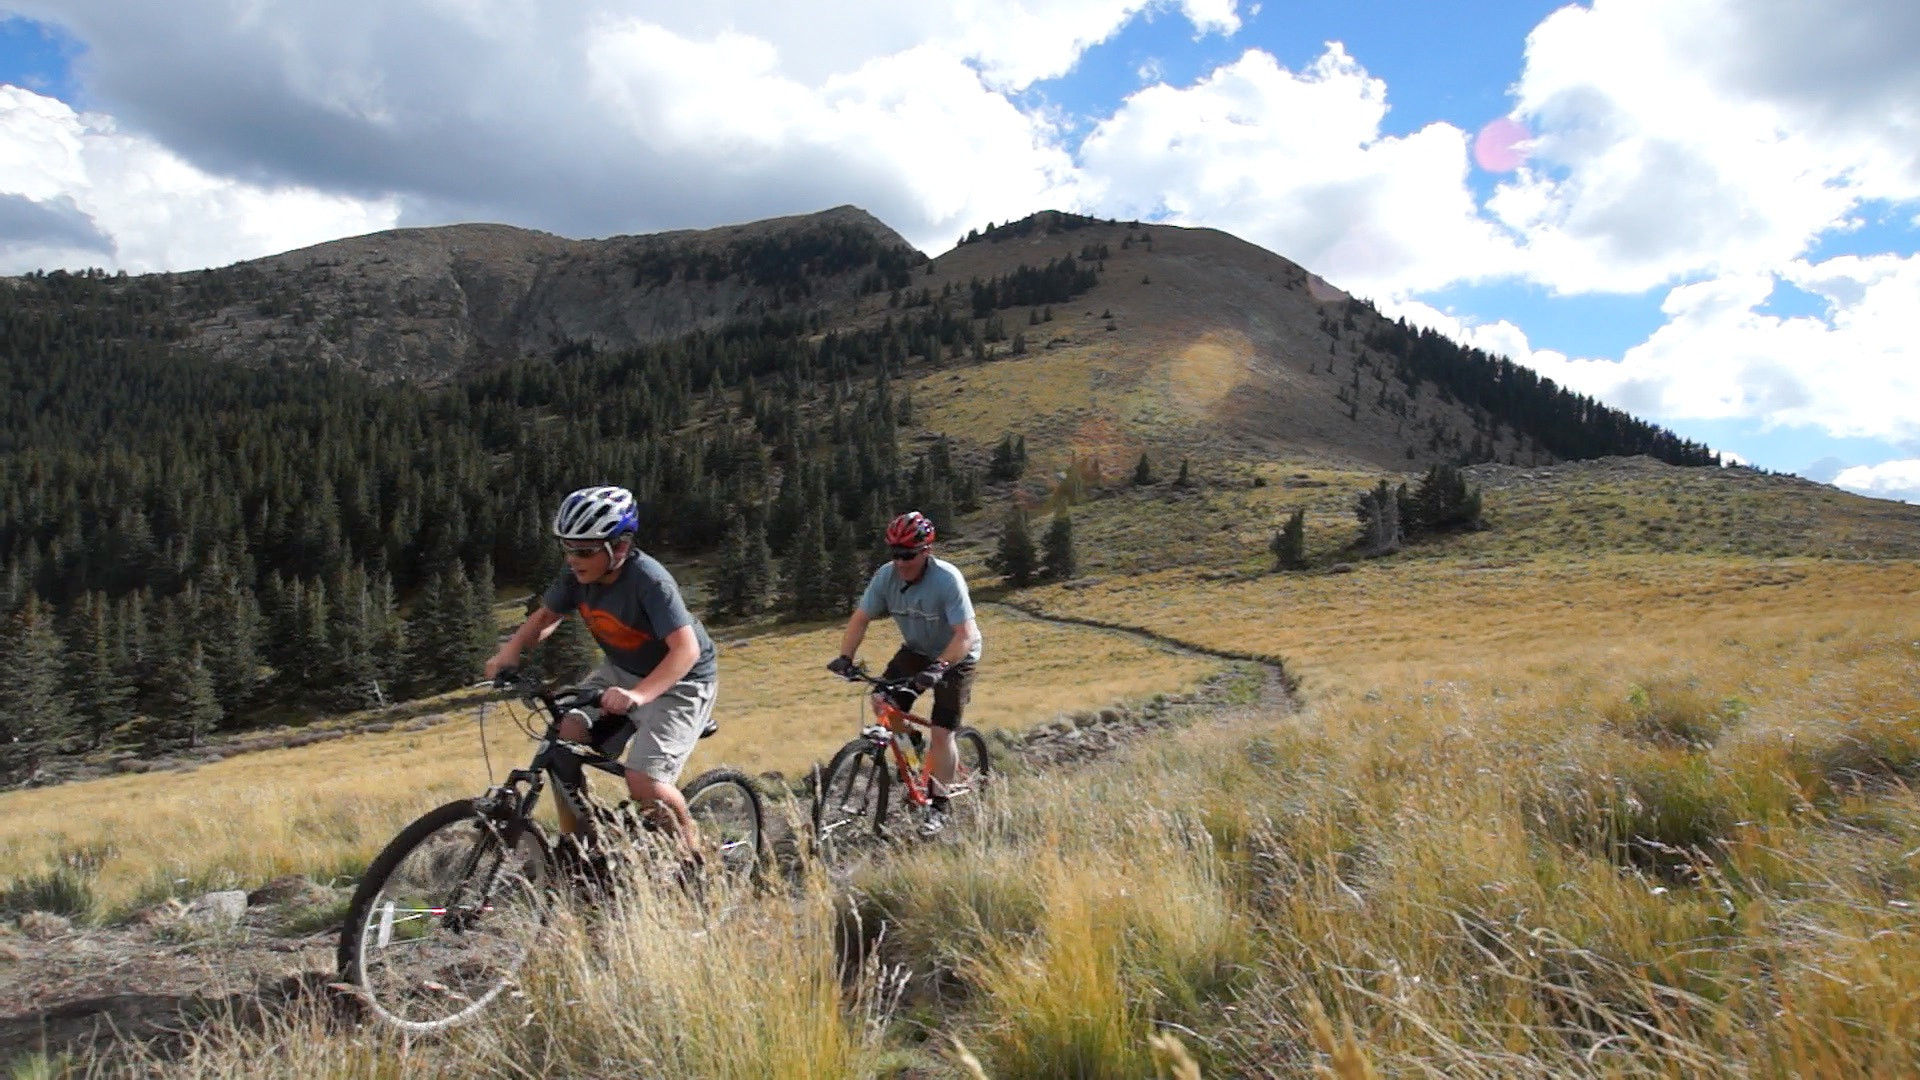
(856,632)
(965,637)
(958,648)
(538,627)
(683,651)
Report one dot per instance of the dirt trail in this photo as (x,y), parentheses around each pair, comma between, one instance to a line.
(64,987)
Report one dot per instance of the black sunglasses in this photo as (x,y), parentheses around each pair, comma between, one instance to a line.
(903,554)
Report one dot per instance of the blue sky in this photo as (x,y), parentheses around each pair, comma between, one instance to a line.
(1701,210)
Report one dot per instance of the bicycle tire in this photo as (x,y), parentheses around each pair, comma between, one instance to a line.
(853,787)
(425,953)
(726,808)
(975,765)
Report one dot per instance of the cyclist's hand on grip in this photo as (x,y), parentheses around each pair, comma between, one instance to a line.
(841,666)
(924,679)
(504,660)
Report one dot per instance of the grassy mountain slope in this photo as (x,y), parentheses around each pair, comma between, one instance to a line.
(427,303)
(1191,342)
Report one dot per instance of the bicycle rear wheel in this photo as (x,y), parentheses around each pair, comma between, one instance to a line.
(445,917)
(725,807)
(851,803)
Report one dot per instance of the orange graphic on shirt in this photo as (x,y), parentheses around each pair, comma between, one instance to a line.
(611,632)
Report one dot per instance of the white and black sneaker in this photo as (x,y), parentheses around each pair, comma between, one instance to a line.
(936,820)
(934,823)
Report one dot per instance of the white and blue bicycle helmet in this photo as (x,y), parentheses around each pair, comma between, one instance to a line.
(596,513)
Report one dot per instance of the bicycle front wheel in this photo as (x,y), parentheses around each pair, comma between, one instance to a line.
(973,772)
(445,917)
(725,807)
(851,803)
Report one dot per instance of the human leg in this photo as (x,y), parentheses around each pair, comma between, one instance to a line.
(950,697)
(665,731)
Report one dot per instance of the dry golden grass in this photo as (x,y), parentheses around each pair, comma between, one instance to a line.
(1493,862)
(325,809)
(1554,806)
(656,998)
(1431,618)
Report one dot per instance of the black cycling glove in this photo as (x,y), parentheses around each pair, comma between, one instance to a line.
(924,679)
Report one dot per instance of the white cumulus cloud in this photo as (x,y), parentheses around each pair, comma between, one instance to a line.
(1298,163)
(604,116)
(1850,370)
(1681,138)
(1887,480)
(77,192)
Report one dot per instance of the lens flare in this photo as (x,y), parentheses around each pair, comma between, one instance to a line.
(1499,146)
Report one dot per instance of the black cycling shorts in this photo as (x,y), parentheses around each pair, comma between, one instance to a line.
(950,694)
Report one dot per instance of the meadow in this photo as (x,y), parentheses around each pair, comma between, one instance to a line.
(1550,804)
(116,845)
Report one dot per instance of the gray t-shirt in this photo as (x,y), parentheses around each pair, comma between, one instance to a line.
(632,617)
(927,611)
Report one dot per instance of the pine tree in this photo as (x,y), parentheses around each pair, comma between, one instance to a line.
(806,571)
(936,502)
(1015,560)
(1008,461)
(1379,514)
(1059,561)
(846,573)
(389,637)
(567,654)
(36,713)
(1143,472)
(482,626)
(231,629)
(740,582)
(352,662)
(428,668)
(1441,501)
(313,645)
(187,708)
(1289,545)
(1182,480)
(99,664)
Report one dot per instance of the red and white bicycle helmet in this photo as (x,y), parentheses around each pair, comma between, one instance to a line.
(910,530)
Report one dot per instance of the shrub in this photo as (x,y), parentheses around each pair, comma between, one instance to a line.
(63,889)
(1673,712)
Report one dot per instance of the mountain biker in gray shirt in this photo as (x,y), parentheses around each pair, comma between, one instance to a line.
(657,687)
(928,600)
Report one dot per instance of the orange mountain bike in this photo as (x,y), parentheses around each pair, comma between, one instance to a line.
(851,798)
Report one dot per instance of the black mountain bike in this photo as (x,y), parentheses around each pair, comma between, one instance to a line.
(449,909)
(851,803)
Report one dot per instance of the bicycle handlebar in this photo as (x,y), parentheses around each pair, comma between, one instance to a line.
(858,673)
(531,689)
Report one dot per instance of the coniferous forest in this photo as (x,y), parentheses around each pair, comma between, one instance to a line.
(203,540)
(189,545)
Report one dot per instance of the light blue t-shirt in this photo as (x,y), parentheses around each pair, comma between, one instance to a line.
(927,611)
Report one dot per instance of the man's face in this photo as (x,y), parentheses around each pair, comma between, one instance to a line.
(910,563)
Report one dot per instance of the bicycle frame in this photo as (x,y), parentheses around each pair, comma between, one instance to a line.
(554,758)
(897,726)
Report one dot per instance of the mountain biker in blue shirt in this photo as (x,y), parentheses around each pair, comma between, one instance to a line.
(928,600)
